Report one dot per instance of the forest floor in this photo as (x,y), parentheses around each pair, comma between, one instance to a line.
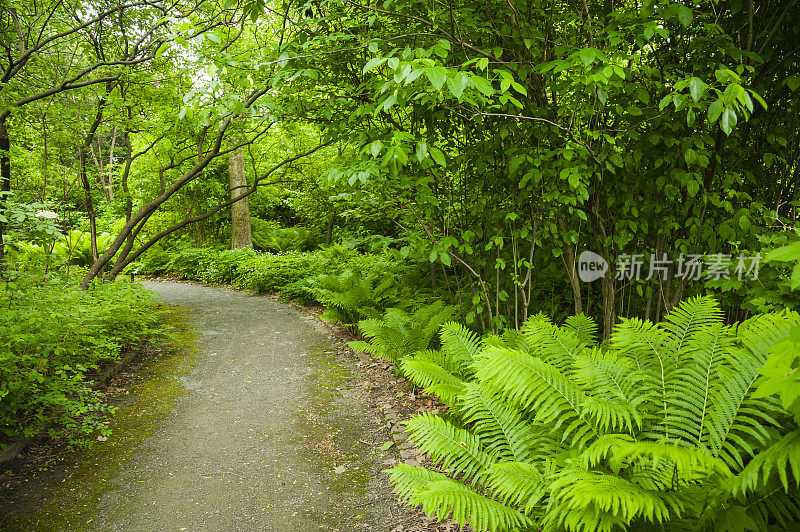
(269,424)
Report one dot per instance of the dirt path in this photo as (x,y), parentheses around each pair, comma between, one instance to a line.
(259,430)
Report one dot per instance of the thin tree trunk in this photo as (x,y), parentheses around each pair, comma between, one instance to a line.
(568,258)
(5,184)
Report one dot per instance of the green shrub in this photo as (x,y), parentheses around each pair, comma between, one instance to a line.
(664,428)
(54,341)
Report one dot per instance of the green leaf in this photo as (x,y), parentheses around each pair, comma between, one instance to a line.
(728,120)
(211,36)
(685,15)
(794,284)
(692,188)
(588,55)
(372,63)
(696,88)
(759,99)
(375,148)
(784,253)
(714,110)
(483,85)
(437,76)
(690,156)
(793,82)
(483,62)
(456,85)
(161,49)
(386,446)
(422,150)
(437,156)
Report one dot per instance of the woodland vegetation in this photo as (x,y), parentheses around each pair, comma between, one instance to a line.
(432,173)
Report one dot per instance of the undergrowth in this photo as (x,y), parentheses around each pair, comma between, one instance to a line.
(54,341)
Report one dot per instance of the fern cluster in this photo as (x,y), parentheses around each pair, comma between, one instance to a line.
(662,428)
(354,296)
(398,332)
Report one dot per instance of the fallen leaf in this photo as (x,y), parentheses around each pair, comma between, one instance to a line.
(339,469)
(102,438)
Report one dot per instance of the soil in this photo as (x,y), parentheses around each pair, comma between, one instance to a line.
(269,423)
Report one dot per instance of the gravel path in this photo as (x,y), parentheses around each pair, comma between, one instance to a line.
(256,431)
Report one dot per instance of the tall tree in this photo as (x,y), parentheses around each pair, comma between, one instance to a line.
(241,235)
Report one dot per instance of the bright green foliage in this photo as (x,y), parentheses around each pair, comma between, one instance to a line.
(269,236)
(74,248)
(353,296)
(661,427)
(399,333)
(54,341)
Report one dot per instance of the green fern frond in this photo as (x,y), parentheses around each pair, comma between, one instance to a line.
(362,347)
(584,500)
(370,328)
(689,464)
(452,448)
(518,484)
(616,387)
(776,510)
(513,339)
(538,388)
(782,457)
(500,427)
(410,480)
(644,342)
(691,385)
(584,327)
(738,422)
(558,346)
(433,378)
(429,319)
(690,317)
(461,344)
(444,497)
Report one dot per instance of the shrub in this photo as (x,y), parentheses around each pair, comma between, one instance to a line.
(54,341)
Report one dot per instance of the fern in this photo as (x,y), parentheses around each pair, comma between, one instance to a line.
(440,496)
(461,345)
(398,334)
(501,426)
(663,427)
(423,371)
(453,448)
(583,327)
(536,386)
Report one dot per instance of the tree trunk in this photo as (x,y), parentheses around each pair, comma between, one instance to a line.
(5,184)
(241,236)
(568,258)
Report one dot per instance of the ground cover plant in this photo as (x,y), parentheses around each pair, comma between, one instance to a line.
(54,341)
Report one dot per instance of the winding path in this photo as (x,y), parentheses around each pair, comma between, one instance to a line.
(256,431)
